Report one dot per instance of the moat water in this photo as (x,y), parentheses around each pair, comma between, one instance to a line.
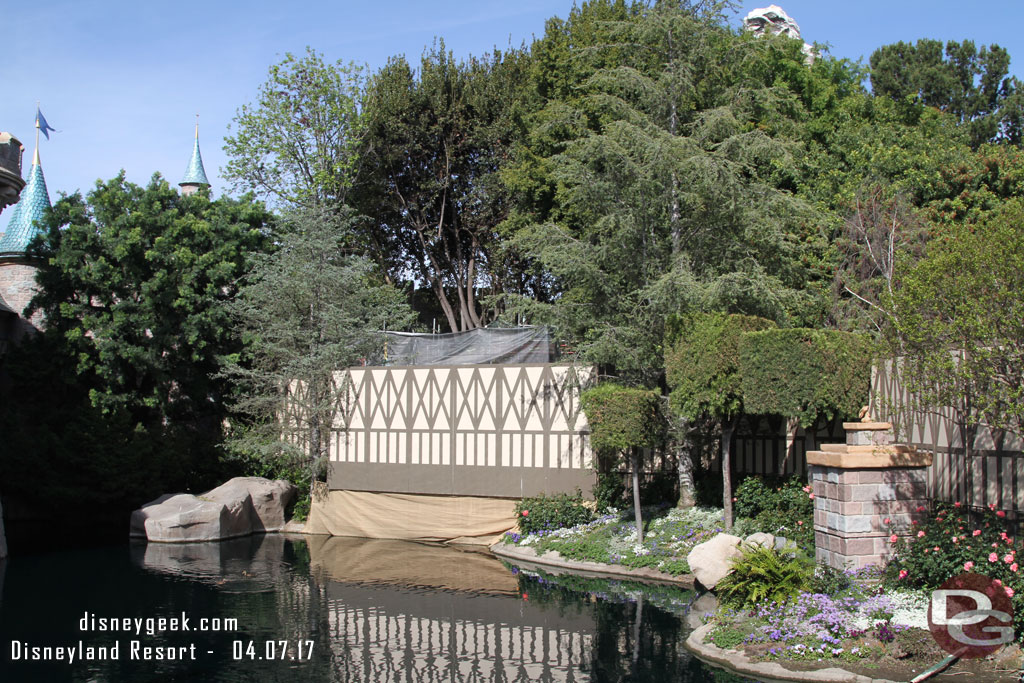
(277,608)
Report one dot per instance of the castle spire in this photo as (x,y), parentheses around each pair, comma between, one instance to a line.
(195,175)
(28,212)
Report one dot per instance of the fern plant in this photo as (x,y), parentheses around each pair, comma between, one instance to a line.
(761,574)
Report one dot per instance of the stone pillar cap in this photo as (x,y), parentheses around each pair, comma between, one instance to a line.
(866,426)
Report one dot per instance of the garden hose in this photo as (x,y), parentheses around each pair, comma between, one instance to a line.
(937,669)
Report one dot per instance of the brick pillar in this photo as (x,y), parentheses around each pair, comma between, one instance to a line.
(856,486)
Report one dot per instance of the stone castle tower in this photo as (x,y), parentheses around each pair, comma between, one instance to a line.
(195,175)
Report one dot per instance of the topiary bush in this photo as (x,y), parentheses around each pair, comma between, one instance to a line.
(547,513)
(802,373)
(623,418)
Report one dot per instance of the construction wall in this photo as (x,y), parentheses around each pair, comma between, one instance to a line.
(500,431)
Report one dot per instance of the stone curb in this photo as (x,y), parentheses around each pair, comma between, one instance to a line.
(553,559)
(734,660)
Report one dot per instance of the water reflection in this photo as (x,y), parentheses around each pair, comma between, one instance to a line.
(375,610)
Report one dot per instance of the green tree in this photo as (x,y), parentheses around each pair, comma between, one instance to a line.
(702,365)
(298,143)
(661,180)
(117,399)
(625,420)
(133,281)
(308,310)
(436,138)
(968,82)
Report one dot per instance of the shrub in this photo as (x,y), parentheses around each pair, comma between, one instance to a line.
(609,491)
(950,542)
(546,513)
(763,575)
(787,510)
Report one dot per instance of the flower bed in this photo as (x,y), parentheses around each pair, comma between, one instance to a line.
(613,540)
(856,625)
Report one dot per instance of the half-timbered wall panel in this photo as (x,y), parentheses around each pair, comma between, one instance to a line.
(486,430)
(992,476)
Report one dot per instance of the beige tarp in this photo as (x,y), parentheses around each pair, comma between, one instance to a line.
(412,517)
(372,560)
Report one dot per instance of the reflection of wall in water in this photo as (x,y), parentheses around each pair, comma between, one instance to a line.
(426,636)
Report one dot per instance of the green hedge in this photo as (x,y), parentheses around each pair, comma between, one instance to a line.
(550,512)
(702,362)
(802,373)
(622,418)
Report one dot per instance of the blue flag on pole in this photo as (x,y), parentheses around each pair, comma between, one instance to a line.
(42,125)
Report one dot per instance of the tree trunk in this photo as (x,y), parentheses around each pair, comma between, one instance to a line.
(728,426)
(635,458)
(792,424)
(684,467)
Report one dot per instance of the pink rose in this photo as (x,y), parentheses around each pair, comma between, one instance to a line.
(903,573)
(956,504)
(976,532)
(886,521)
(526,513)
(1014,567)
(811,496)
(992,557)
(921,508)
(920,534)
(1001,513)
(936,548)
(968,566)
(1008,559)
(893,538)
(1009,591)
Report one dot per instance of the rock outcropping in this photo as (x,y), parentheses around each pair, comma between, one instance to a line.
(774,20)
(242,506)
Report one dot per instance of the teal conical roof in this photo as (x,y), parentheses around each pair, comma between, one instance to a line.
(27,214)
(195,174)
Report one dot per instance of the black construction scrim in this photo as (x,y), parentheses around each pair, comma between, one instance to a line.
(476,347)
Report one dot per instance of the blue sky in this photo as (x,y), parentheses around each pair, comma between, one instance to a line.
(122,81)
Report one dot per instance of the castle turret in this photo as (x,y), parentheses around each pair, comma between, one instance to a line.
(195,175)
(26,214)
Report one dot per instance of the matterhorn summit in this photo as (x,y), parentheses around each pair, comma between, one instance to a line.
(773,19)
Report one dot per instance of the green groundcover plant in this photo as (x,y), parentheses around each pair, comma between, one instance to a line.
(952,541)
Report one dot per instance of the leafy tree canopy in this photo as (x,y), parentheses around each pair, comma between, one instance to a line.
(968,82)
(297,143)
(133,280)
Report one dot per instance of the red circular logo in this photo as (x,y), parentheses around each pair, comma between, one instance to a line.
(971,616)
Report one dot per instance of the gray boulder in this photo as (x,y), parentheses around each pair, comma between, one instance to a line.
(710,561)
(237,508)
(269,499)
(760,538)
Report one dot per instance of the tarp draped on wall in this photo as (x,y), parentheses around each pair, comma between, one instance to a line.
(456,519)
(475,347)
